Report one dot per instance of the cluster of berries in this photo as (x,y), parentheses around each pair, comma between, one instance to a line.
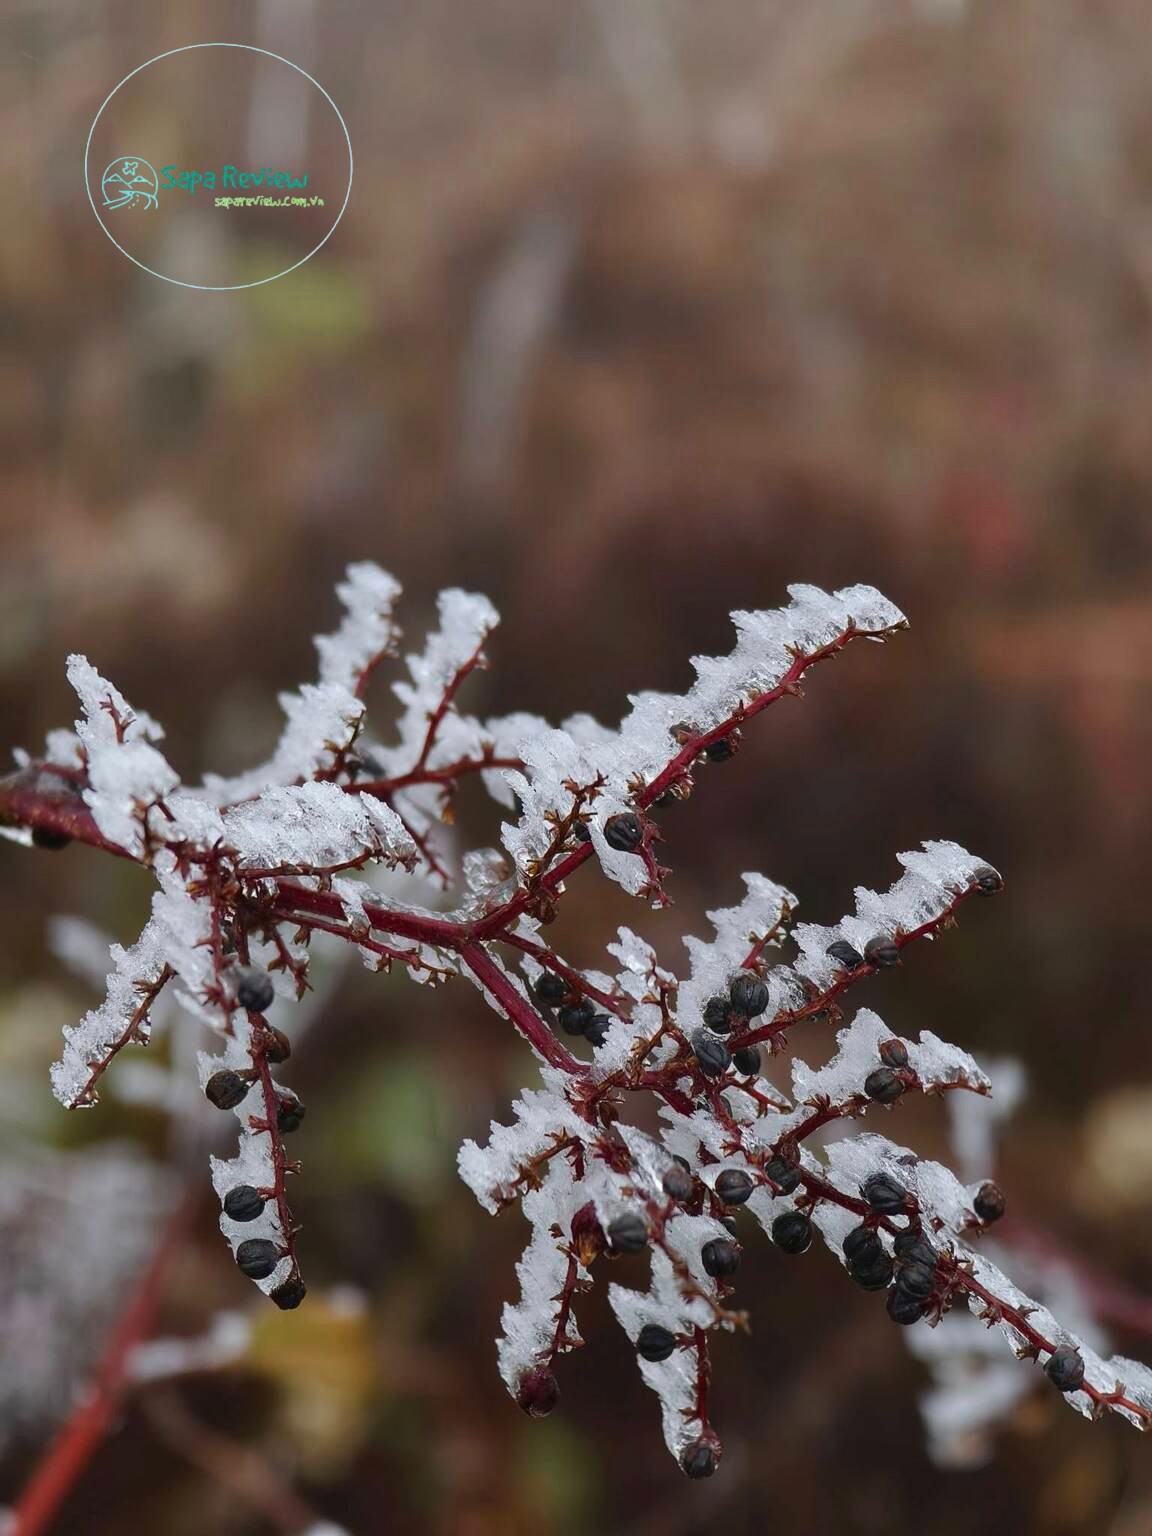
(257,1257)
(746,999)
(574,1013)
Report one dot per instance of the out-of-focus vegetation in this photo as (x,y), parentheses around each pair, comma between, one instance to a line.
(639,311)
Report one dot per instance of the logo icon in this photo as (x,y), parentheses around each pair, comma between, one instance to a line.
(129,183)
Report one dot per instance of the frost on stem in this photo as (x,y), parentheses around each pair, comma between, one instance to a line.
(249,869)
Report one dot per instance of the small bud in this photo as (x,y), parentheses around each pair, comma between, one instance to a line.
(48,837)
(587,1234)
(539,1392)
(655,1343)
(289,1293)
(894,1053)
(749,994)
(713,1055)
(699,1460)
(624,832)
(254,989)
(628,1233)
(277,1046)
(884,1194)
(289,1113)
(989,1203)
(257,1257)
(550,989)
(596,1029)
(243,1203)
(678,1183)
(1065,1368)
(733,1186)
(884,1086)
(845,955)
(718,1015)
(882,952)
(903,1307)
(226,1089)
(987,881)
(783,1174)
(720,1257)
(792,1232)
(574,1018)
(747,1060)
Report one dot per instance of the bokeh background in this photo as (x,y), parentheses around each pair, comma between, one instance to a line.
(639,311)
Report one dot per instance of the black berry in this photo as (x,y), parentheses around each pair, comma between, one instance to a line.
(747,1060)
(903,1307)
(749,994)
(792,1232)
(862,1244)
(628,1233)
(699,1460)
(721,750)
(713,1055)
(917,1279)
(289,1293)
(48,837)
(720,1257)
(624,832)
(596,1029)
(874,1275)
(883,1085)
(718,1015)
(226,1089)
(550,989)
(734,1186)
(914,1248)
(289,1114)
(884,1194)
(785,1177)
(845,955)
(539,1393)
(678,1183)
(989,1203)
(257,1258)
(254,989)
(882,952)
(243,1203)
(1065,1368)
(987,881)
(574,1018)
(654,1343)
(894,1053)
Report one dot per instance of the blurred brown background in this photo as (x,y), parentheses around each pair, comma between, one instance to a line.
(639,311)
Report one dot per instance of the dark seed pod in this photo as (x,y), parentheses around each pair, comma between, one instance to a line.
(624,832)
(863,1244)
(785,1177)
(989,1203)
(596,1029)
(884,1086)
(48,837)
(894,1053)
(749,994)
(699,1460)
(580,832)
(747,1060)
(539,1392)
(718,1015)
(1065,1368)
(243,1203)
(289,1114)
(792,1232)
(289,1293)
(917,1279)
(574,1018)
(914,1248)
(722,749)
(655,1343)
(257,1258)
(713,1055)
(882,952)
(903,1307)
(277,1046)
(883,1194)
(678,1183)
(720,1258)
(254,989)
(550,989)
(873,1276)
(845,955)
(226,1089)
(733,1186)
(628,1233)
(987,881)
